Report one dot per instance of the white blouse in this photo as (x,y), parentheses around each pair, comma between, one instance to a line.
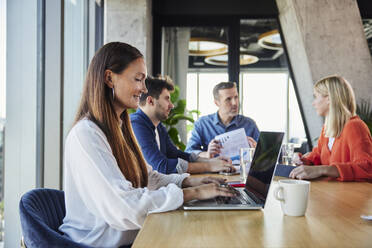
(103,209)
(331,140)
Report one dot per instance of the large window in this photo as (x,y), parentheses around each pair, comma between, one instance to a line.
(51,45)
(263,98)
(266,97)
(199,91)
(2,109)
(269,99)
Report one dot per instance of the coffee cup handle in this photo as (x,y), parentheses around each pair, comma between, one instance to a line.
(276,193)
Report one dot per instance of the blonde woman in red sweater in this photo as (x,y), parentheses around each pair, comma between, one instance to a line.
(344,149)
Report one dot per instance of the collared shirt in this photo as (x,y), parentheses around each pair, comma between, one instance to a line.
(103,209)
(165,159)
(208,127)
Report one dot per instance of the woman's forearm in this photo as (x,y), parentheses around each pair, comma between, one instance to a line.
(330,171)
(189,194)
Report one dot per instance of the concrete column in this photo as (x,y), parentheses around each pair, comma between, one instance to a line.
(325,37)
(130,21)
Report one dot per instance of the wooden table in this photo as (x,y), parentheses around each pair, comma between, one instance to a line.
(332,220)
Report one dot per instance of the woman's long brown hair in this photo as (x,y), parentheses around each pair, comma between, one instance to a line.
(97,104)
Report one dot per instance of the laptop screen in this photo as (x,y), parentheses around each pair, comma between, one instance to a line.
(263,164)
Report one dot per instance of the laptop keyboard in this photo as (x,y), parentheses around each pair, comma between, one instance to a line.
(229,200)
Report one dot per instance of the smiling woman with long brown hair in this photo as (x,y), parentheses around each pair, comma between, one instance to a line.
(109,189)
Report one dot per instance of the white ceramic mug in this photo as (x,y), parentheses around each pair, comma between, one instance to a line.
(293,196)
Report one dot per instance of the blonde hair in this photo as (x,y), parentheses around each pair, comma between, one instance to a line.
(342,103)
(97,104)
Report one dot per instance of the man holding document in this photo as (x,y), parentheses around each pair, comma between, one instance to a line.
(203,139)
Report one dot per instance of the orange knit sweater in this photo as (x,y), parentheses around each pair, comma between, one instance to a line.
(351,152)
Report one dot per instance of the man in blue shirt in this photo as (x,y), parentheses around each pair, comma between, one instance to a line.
(226,119)
(153,137)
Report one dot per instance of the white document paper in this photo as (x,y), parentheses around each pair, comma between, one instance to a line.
(231,143)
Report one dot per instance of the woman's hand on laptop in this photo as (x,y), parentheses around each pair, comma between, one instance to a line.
(197,181)
(207,191)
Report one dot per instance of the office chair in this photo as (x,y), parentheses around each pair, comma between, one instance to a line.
(42,212)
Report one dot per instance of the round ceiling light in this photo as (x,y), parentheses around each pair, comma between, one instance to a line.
(221,60)
(206,47)
(270,40)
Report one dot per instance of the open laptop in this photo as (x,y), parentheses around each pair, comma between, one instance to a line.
(260,175)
